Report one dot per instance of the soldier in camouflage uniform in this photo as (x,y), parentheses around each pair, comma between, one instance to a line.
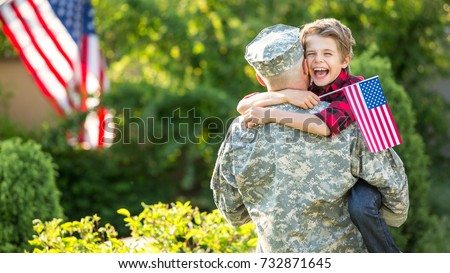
(292,184)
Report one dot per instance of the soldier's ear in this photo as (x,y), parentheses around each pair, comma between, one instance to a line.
(260,80)
(305,67)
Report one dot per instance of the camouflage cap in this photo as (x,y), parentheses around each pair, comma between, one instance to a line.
(274,50)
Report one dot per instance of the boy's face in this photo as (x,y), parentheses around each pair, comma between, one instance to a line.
(323,59)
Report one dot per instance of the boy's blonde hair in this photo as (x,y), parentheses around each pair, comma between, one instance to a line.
(331,28)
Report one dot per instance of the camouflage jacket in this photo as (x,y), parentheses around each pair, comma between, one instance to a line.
(293,185)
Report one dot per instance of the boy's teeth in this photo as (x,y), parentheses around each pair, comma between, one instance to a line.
(320,72)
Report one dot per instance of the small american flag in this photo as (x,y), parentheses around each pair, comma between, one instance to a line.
(57,42)
(373,115)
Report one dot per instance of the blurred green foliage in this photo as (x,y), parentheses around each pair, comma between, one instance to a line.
(158,228)
(27,191)
(181,228)
(84,236)
(177,72)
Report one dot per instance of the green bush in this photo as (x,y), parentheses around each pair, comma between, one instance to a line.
(181,228)
(152,160)
(409,237)
(159,228)
(27,191)
(84,236)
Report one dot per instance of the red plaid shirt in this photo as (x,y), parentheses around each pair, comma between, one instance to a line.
(338,115)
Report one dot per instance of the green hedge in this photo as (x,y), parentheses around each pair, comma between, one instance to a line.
(159,228)
(152,160)
(27,191)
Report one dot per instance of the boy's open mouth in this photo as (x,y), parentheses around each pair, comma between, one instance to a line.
(320,72)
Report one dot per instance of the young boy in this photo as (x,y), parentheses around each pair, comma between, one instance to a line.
(328,51)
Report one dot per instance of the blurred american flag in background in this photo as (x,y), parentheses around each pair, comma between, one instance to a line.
(57,42)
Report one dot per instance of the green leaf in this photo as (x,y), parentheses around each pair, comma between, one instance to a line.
(124,212)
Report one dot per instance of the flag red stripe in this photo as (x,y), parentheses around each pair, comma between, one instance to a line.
(350,93)
(370,121)
(381,133)
(386,129)
(388,125)
(11,37)
(398,138)
(61,66)
(367,118)
(93,65)
(84,71)
(101,126)
(37,46)
(379,129)
(51,35)
(33,60)
(101,77)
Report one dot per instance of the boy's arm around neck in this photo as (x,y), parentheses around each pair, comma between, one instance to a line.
(300,98)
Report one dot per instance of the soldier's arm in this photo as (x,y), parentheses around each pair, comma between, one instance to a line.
(226,196)
(300,98)
(385,171)
(261,100)
(236,214)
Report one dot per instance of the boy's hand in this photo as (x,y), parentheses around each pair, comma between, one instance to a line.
(302,99)
(260,100)
(255,116)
